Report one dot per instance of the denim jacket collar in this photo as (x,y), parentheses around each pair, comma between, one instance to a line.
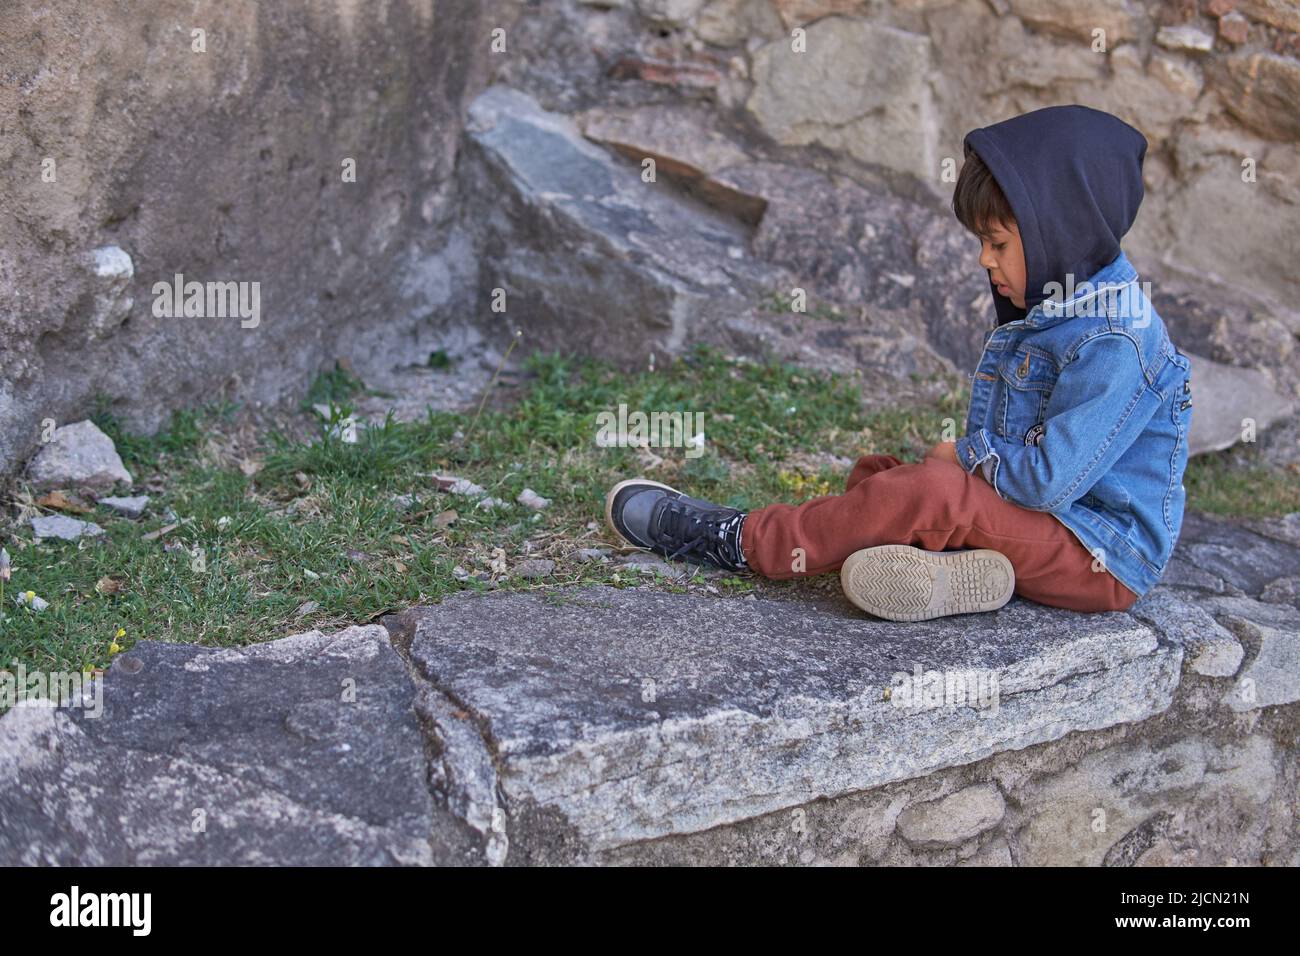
(1117,273)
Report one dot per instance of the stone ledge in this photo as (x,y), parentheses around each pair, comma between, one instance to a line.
(594,724)
(635,715)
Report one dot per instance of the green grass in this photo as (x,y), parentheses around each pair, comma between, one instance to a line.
(1237,483)
(279,538)
(243,579)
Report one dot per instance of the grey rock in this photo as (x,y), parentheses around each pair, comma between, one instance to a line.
(953,819)
(588,555)
(78,455)
(1185,38)
(1245,560)
(533,500)
(581,238)
(1111,806)
(302,751)
(1273,675)
(132,507)
(645,562)
(112,270)
(1183,574)
(614,714)
(465,771)
(61,526)
(535,568)
(1120,20)
(869,113)
(1223,398)
(1282,591)
(1285,528)
(671,12)
(1208,647)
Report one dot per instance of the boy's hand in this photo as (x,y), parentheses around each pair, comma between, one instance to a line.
(944,451)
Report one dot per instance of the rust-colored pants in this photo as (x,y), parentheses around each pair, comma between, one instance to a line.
(937,506)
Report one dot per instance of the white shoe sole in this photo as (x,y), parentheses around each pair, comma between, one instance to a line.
(902,583)
(609,505)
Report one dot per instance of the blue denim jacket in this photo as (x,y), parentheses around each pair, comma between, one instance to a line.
(1082,409)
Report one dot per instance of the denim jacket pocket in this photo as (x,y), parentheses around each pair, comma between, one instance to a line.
(1110,500)
(1027,379)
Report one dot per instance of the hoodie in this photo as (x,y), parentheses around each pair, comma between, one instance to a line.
(1073,178)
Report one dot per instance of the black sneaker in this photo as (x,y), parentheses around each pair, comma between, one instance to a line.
(661,519)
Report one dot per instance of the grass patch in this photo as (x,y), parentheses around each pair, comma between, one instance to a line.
(317,527)
(1238,483)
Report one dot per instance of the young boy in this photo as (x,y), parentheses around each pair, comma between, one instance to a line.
(1067,486)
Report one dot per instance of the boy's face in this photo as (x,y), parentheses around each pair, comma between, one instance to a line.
(1002,255)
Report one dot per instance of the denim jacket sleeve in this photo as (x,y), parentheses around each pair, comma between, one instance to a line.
(1095,412)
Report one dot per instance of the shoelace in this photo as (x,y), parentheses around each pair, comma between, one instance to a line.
(697,535)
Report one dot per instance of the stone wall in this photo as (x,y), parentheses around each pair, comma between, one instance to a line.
(886,90)
(221,156)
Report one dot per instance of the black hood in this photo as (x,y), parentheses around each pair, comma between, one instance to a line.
(1073,177)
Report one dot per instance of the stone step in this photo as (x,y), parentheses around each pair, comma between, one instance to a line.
(622,715)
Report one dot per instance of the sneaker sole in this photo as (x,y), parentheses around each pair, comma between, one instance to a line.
(609,505)
(902,583)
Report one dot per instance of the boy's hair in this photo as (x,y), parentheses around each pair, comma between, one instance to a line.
(978,201)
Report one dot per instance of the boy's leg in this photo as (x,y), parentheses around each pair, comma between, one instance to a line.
(937,506)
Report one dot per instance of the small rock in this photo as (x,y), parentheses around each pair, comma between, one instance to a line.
(588,555)
(490,502)
(79,455)
(1185,38)
(531,499)
(647,562)
(113,271)
(61,526)
(459,573)
(954,819)
(458,486)
(535,568)
(132,507)
(358,557)
(306,608)
(403,502)
(1234,28)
